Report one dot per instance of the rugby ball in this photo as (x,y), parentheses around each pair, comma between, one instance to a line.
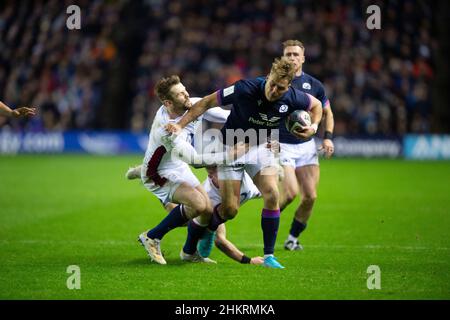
(298,119)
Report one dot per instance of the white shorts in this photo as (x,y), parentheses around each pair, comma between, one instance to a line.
(248,191)
(255,160)
(175,177)
(299,155)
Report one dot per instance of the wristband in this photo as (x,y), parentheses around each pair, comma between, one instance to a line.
(314,126)
(245,259)
(328,135)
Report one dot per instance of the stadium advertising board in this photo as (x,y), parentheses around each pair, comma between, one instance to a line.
(113,142)
(367,147)
(429,147)
(100,143)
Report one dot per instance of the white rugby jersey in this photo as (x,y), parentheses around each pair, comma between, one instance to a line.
(158,157)
(248,190)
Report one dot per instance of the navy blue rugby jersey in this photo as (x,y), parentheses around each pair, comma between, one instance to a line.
(312,86)
(251,109)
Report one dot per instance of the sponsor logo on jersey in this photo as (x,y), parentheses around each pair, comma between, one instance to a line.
(306,86)
(283,108)
(263,123)
(228,91)
(265,118)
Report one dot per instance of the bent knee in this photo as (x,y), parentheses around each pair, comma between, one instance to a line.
(229,211)
(290,196)
(271,195)
(309,198)
(199,204)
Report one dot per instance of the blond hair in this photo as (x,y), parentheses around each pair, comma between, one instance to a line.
(293,43)
(282,68)
(163,86)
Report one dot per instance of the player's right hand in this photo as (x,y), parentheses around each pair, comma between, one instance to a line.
(327,147)
(304,133)
(257,260)
(173,128)
(23,112)
(274,146)
(238,150)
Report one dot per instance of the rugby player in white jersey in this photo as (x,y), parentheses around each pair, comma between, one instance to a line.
(169,178)
(211,184)
(248,191)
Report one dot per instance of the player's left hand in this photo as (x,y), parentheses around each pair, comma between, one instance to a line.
(304,133)
(327,147)
(173,128)
(238,150)
(23,112)
(274,146)
(257,260)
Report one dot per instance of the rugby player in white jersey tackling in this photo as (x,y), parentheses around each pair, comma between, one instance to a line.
(248,189)
(258,107)
(170,179)
(211,185)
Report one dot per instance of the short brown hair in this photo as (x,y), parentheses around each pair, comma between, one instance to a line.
(293,43)
(282,68)
(163,86)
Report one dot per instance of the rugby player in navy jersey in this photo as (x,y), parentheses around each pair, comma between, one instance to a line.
(258,106)
(299,158)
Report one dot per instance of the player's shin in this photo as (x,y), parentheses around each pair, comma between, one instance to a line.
(270,221)
(216,220)
(174,219)
(297,228)
(195,232)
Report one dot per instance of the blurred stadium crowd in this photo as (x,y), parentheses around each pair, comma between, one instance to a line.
(379,81)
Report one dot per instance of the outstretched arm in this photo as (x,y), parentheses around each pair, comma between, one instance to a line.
(16,113)
(227,247)
(186,152)
(216,114)
(197,110)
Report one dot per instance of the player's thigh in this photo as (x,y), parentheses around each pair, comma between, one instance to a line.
(261,160)
(289,182)
(267,185)
(209,206)
(189,196)
(308,178)
(230,178)
(230,193)
(170,206)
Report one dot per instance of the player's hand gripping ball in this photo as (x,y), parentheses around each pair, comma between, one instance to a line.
(298,120)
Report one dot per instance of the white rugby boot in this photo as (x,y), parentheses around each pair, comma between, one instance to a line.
(152,246)
(292,245)
(196,257)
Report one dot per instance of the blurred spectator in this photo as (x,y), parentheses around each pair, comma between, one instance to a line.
(46,65)
(378,81)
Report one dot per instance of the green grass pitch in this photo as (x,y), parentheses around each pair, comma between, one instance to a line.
(58,211)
